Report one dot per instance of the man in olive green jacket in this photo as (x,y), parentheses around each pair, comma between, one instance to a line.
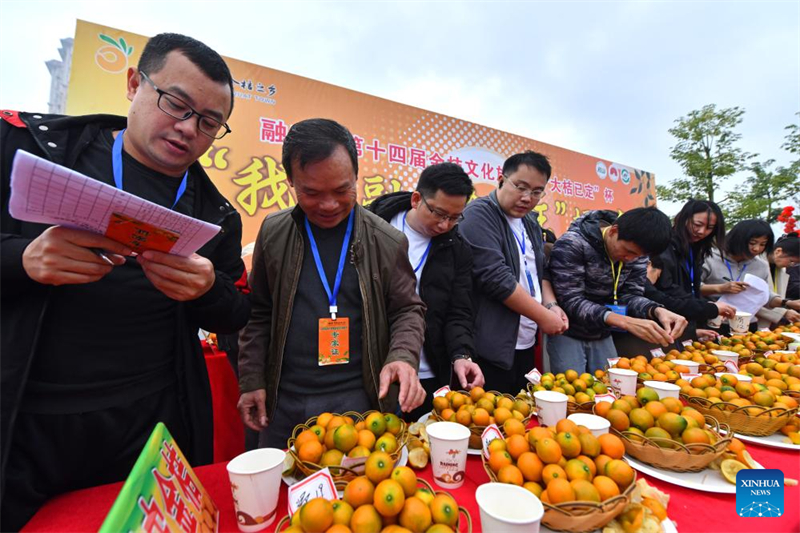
(327,263)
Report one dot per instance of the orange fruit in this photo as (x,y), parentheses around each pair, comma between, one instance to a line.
(577,469)
(345,438)
(620,472)
(407,479)
(335,422)
(611,445)
(606,487)
(376,423)
(366,438)
(359,491)
(440,403)
(342,512)
(311,451)
(674,424)
(534,487)
(386,443)
(463,417)
(359,451)
(560,491)
(585,491)
(389,498)
(379,466)
(480,417)
(589,462)
(531,466)
(656,508)
(319,430)
(316,515)
(538,432)
(415,515)
(501,414)
(476,393)
(570,445)
(589,444)
(512,426)
(694,436)
(305,436)
(323,419)
(444,510)
(548,450)
(551,472)
(602,408)
(366,519)
(331,457)
(335,528)
(517,445)
(393,424)
(497,445)
(619,419)
(498,459)
(566,425)
(510,474)
(642,419)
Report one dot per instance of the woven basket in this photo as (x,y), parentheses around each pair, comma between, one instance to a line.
(676,456)
(751,420)
(341,474)
(578,517)
(421,483)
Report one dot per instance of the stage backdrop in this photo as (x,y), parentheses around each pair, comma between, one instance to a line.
(395,142)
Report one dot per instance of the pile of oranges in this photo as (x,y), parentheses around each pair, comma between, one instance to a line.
(667,368)
(578,388)
(478,409)
(384,499)
(563,463)
(759,341)
(329,437)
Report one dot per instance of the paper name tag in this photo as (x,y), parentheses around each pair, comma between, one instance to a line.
(610,398)
(687,343)
(690,376)
(733,367)
(768,353)
(441,392)
(317,485)
(534,376)
(354,463)
(612,362)
(489,434)
(658,352)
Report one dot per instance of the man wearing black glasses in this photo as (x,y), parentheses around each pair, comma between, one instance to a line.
(442,262)
(98,345)
(512,299)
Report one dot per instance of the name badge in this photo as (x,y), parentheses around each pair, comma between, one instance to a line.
(619,310)
(334,341)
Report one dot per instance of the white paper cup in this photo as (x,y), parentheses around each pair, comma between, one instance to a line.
(739,377)
(794,346)
(623,380)
(693,366)
(449,442)
(664,389)
(740,323)
(596,424)
(507,508)
(256,482)
(725,355)
(551,406)
(715,323)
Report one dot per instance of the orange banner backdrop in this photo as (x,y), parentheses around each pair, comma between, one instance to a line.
(395,142)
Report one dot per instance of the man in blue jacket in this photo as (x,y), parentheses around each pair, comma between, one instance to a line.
(513,300)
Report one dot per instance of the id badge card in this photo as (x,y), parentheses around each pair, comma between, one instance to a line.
(334,341)
(619,310)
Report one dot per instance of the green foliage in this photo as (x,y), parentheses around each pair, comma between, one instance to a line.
(764,194)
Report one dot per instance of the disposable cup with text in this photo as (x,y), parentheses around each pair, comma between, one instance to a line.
(740,323)
(693,366)
(551,406)
(725,355)
(256,482)
(596,424)
(623,380)
(449,442)
(508,508)
(664,389)
(715,323)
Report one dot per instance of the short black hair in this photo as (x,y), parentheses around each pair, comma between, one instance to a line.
(684,218)
(529,158)
(646,227)
(789,244)
(449,178)
(155,52)
(314,140)
(738,240)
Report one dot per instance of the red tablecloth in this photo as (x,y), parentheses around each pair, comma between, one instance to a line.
(694,511)
(228,426)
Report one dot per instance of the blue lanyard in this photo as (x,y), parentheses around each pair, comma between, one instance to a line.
(731,271)
(428,249)
(690,268)
(333,309)
(116,164)
(525,259)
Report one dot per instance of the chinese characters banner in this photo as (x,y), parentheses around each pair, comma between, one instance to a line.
(395,142)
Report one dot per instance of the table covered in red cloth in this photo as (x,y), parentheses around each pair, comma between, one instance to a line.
(694,511)
(228,426)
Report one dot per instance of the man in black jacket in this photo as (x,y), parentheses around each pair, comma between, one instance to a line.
(442,262)
(95,352)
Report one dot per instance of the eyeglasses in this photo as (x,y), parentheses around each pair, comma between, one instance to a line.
(443,217)
(177,108)
(525,191)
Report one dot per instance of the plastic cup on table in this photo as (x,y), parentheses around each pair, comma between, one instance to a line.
(508,508)
(725,356)
(664,389)
(740,323)
(623,380)
(551,406)
(693,366)
(596,424)
(255,482)
(449,442)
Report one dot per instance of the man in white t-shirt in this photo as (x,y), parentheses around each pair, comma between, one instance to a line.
(512,299)
(442,262)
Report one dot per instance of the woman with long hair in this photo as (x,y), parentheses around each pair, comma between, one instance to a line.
(785,255)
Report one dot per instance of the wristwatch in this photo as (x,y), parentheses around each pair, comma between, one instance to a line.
(463,356)
(551,305)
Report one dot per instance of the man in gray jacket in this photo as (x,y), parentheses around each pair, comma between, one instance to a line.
(598,269)
(512,298)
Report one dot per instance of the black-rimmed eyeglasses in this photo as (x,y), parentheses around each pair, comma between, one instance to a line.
(443,217)
(177,108)
(525,191)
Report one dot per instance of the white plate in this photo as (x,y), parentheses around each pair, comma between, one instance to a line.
(667,525)
(403,461)
(707,480)
(470,451)
(794,336)
(776,440)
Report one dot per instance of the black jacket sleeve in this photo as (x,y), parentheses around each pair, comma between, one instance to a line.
(669,292)
(459,326)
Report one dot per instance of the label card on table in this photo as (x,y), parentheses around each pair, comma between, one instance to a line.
(731,366)
(317,485)
(608,397)
(612,362)
(489,434)
(688,342)
(657,352)
(441,391)
(162,489)
(534,376)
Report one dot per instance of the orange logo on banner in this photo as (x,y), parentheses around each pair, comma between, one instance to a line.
(113,57)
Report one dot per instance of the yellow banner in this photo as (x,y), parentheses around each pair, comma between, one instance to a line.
(395,142)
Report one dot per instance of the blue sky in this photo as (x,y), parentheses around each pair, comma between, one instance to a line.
(602,78)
